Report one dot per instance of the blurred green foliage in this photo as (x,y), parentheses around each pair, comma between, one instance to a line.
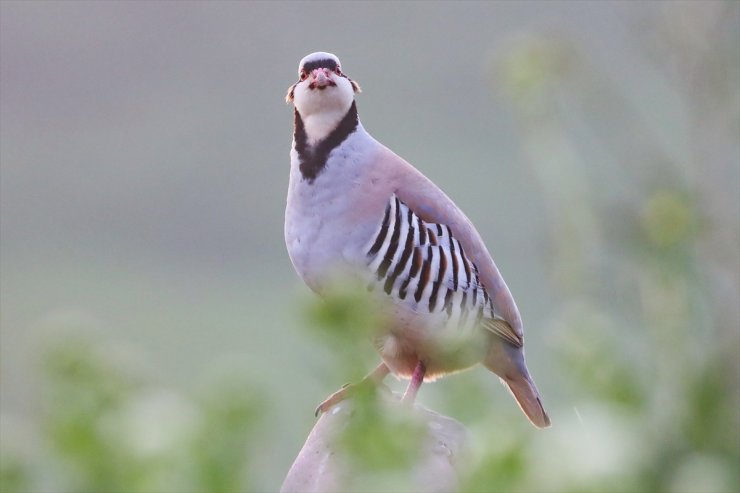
(14,475)
(223,439)
(377,440)
(108,428)
(347,315)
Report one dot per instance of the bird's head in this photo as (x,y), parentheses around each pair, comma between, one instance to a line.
(322,87)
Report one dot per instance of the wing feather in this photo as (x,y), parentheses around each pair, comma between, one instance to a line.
(432,273)
(432,205)
(503,330)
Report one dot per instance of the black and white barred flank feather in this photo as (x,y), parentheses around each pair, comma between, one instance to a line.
(423,265)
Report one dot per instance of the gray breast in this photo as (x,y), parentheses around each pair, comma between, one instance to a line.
(319,234)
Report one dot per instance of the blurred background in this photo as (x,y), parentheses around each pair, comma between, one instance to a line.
(154,336)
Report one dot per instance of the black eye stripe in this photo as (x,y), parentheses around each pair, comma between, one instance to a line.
(323,63)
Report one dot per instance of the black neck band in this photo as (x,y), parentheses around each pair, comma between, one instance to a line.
(313,158)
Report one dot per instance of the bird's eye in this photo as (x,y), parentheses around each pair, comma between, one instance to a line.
(338,70)
(303,75)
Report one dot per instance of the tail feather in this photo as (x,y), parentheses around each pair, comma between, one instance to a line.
(507,361)
(526,395)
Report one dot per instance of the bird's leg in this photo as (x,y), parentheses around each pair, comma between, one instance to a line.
(373,378)
(416,380)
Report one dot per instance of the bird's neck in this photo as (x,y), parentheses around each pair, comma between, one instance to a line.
(317,135)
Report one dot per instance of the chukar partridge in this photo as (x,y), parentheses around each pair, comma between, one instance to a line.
(354,205)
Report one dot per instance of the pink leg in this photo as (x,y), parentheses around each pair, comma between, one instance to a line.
(416,380)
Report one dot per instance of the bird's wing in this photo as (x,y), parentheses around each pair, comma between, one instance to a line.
(433,206)
(423,266)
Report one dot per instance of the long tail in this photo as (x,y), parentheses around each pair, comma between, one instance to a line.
(524,391)
(507,361)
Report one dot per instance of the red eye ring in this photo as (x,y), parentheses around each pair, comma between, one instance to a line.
(338,70)
(303,75)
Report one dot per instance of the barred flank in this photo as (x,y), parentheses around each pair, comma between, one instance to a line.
(409,255)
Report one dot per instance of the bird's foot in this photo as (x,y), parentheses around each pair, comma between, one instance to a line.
(372,382)
(349,390)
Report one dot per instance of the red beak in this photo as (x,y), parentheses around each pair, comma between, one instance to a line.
(321,78)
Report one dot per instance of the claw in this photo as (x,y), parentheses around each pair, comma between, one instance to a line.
(334,399)
(374,379)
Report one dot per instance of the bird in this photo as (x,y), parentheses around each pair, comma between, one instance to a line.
(354,205)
